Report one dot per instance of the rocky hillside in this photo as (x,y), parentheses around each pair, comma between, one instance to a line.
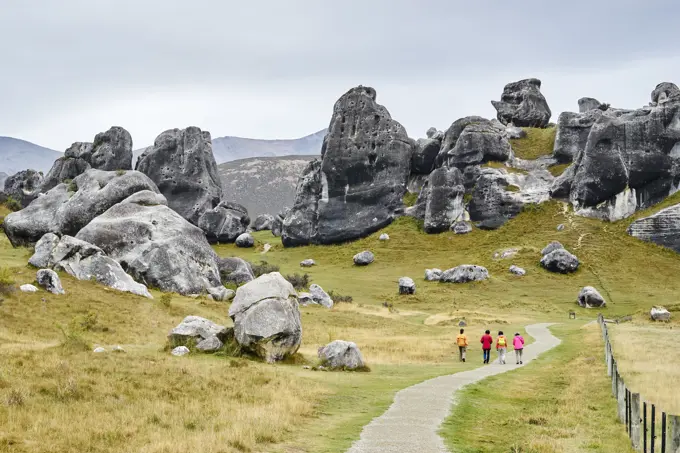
(17,155)
(264,185)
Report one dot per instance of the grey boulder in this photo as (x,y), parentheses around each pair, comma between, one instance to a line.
(221,294)
(307,263)
(517,270)
(28,288)
(49,280)
(461,227)
(263,222)
(245,240)
(587,104)
(210,344)
(224,223)
(319,296)
(24,186)
(341,354)
(660,314)
(465,273)
(444,203)
(554,245)
(572,133)
(182,165)
(473,140)
(277,225)
(589,297)
(515,132)
(112,150)
(193,328)
(662,228)
(560,261)
(433,275)
(407,285)
(180,351)
(523,104)
(425,153)
(384,237)
(364,258)
(235,270)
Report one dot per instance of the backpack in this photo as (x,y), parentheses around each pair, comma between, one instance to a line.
(501,342)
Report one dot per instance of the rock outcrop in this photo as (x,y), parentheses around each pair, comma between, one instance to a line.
(277,225)
(587,104)
(194,328)
(358,185)
(364,258)
(444,199)
(235,270)
(49,280)
(465,273)
(155,245)
(407,285)
(263,222)
(572,134)
(341,355)
(589,297)
(224,223)
(66,209)
(660,314)
(662,228)
(523,104)
(266,317)
(182,165)
(560,261)
(24,186)
(425,153)
(473,140)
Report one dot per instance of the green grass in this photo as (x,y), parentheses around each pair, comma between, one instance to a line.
(494,164)
(559,403)
(512,188)
(538,142)
(410,199)
(557,169)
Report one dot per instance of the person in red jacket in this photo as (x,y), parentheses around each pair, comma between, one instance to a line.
(487,341)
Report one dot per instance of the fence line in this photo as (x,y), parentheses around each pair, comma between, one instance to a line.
(632,409)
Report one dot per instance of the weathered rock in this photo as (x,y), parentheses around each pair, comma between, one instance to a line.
(182,165)
(664,92)
(341,354)
(407,285)
(220,293)
(560,261)
(587,104)
(461,227)
(515,132)
(660,314)
(364,258)
(465,273)
(179,351)
(210,344)
(267,317)
(473,140)
(561,186)
(24,186)
(235,270)
(305,299)
(444,203)
(523,104)
(193,328)
(662,228)
(505,253)
(65,169)
(263,222)
(277,225)
(118,349)
(433,275)
(307,263)
(358,185)
(245,240)
(320,296)
(112,150)
(63,211)
(155,245)
(492,203)
(589,297)
(49,280)
(554,245)
(517,270)
(28,288)
(560,227)
(384,237)
(99,350)
(224,223)
(572,133)
(425,154)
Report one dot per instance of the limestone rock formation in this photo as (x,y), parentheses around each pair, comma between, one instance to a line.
(28,288)
(433,275)
(358,185)
(319,296)
(523,104)
(155,245)
(263,222)
(194,328)
(182,165)
(589,297)
(24,186)
(384,237)
(664,92)
(245,240)
(444,203)
(49,280)
(341,354)
(180,351)
(235,270)
(425,153)
(660,314)
(515,132)
(364,258)
(307,263)
(560,261)
(407,285)
(465,273)
(221,294)
(662,228)
(572,133)
(67,208)
(517,270)
(473,140)
(277,225)
(224,223)
(461,227)
(211,344)
(554,245)
(266,317)
(587,104)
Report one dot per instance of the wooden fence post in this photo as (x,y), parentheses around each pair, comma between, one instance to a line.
(615,383)
(609,359)
(621,398)
(635,420)
(674,437)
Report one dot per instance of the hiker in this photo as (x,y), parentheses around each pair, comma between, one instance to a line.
(501,347)
(487,341)
(518,344)
(462,342)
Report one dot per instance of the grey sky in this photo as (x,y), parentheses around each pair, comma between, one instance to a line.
(274,68)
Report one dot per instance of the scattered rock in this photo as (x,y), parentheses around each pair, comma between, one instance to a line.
(27,288)
(407,285)
(245,240)
(560,261)
(224,223)
(266,317)
(364,258)
(194,328)
(505,253)
(433,275)
(560,227)
(99,350)
(24,186)
(341,354)
(662,228)
(118,349)
(305,299)
(515,132)
(660,314)
(221,294)
(49,280)
(462,323)
(554,245)
(461,227)
(465,273)
(319,296)
(517,270)
(210,344)
(179,351)
(523,105)
(235,270)
(307,263)
(589,297)
(265,248)
(263,222)
(587,104)
(384,237)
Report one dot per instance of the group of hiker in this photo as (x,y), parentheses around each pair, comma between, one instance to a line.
(487,341)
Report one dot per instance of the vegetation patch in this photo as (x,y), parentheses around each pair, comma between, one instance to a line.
(539,142)
(557,169)
(501,165)
(512,188)
(299,281)
(264,268)
(410,199)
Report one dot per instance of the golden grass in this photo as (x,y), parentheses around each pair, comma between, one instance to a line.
(494,164)
(538,142)
(557,169)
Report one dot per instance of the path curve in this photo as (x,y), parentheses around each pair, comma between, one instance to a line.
(412,422)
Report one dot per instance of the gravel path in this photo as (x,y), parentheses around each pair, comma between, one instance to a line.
(412,422)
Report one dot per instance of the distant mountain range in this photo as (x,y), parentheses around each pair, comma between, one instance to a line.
(17,155)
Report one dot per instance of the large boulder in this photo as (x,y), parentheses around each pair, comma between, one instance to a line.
(263,222)
(84,261)
(407,285)
(224,223)
(589,297)
(64,169)
(444,204)
(235,270)
(364,258)
(554,245)
(341,355)
(572,133)
(465,273)
(588,104)
(358,185)
(664,92)
(523,104)
(662,228)
(425,153)
(319,296)
(660,314)
(24,186)
(473,140)
(266,317)
(155,245)
(194,328)
(277,224)
(182,165)
(49,280)
(245,240)
(560,261)
(66,209)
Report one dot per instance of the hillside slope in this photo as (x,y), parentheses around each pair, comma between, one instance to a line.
(17,155)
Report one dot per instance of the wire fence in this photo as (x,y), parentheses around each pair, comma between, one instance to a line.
(650,430)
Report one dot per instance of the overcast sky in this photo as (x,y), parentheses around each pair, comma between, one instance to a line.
(274,68)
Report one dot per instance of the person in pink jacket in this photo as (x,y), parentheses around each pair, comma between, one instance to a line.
(518,344)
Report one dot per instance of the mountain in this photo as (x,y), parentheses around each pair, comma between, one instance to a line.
(264,185)
(17,155)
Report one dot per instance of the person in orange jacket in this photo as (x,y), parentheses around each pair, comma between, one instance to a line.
(501,347)
(462,342)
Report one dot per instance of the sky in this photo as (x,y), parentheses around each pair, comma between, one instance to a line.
(274,68)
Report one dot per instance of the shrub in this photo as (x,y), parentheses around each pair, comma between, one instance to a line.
(512,188)
(410,199)
(337,298)
(73,339)
(6,282)
(120,172)
(15,398)
(264,268)
(166,300)
(12,204)
(86,322)
(298,281)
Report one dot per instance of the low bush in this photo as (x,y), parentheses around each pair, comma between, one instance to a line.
(166,300)
(264,268)
(6,282)
(337,298)
(299,281)
(12,204)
